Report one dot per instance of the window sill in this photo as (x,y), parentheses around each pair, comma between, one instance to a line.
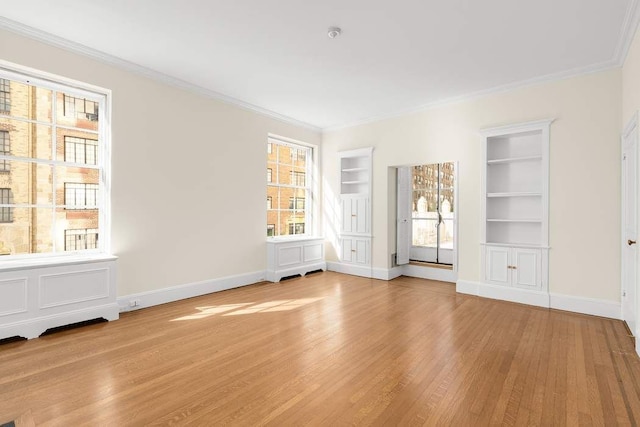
(24,264)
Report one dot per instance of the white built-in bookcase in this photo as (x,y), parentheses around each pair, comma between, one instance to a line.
(355,200)
(515,205)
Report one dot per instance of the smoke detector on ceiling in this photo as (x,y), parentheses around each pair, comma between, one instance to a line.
(334,32)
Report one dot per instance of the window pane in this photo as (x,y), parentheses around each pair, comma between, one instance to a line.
(77,147)
(25,101)
(77,187)
(29,183)
(27,139)
(76,111)
(77,229)
(29,231)
(424,232)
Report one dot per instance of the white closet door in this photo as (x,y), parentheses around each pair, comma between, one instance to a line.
(403,230)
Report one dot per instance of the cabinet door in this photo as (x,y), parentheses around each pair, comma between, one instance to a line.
(362,251)
(360,210)
(355,215)
(497,269)
(348,219)
(347,250)
(355,250)
(527,269)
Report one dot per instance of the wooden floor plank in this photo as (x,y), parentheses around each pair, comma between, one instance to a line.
(328,349)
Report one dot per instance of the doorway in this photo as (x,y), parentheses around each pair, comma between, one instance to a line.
(427,214)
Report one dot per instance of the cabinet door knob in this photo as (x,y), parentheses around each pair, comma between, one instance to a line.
(631,242)
(353,250)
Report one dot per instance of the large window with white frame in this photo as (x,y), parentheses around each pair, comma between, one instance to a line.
(54,163)
(289,188)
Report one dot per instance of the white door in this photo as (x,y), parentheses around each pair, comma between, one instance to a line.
(629,225)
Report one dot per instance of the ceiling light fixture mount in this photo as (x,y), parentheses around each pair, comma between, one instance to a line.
(334,32)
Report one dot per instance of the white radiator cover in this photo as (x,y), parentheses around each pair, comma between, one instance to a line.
(34,298)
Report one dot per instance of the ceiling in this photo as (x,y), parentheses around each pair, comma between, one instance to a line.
(392,57)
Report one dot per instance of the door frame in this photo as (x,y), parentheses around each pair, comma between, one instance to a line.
(629,129)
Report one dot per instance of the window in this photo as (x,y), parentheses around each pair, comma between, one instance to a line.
(6,198)
(80,239)
(5,96)
(80,108)
(80,150)
(289,168)
(5,150)
(54,169)
(80,195)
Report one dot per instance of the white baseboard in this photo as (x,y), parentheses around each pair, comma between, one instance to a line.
(522,296)
(387,273)
(189,290)
(431,273)
(594,307)
(354,270)
(33,328)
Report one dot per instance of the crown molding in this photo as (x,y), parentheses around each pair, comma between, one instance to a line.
(71,46)
(627,32)
(548,78)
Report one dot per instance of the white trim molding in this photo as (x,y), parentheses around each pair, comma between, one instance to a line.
(591,306)
(354,270)
(431,273)
(189,290)
(74,47)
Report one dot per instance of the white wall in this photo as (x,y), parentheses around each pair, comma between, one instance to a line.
(584,181)
(188,192)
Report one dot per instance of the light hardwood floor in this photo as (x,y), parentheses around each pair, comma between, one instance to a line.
(329,349)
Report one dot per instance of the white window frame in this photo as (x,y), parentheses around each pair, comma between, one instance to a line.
(102,96)
(311,178)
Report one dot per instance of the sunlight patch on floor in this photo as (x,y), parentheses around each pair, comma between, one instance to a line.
(211,310)
(248,308)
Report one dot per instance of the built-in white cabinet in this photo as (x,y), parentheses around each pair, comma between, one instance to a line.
(355,214)
(515,211)
(518,267)
(356,250)
(355,202)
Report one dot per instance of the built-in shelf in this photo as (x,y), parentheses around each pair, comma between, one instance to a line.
(355,206)
(515,194)
(513,159)
(513,220)
(515,206)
